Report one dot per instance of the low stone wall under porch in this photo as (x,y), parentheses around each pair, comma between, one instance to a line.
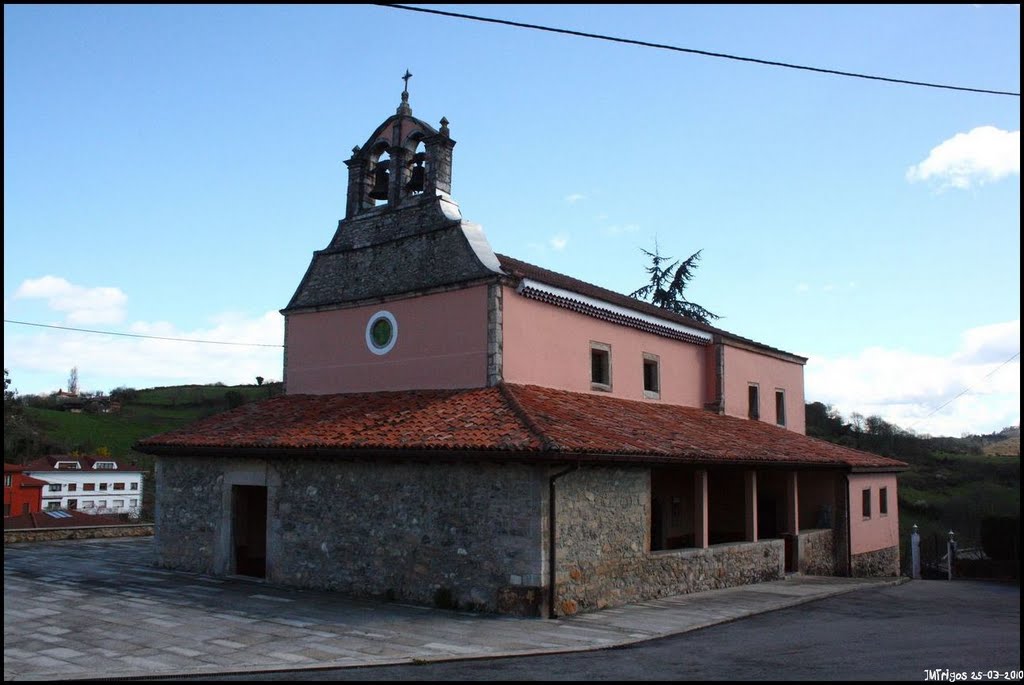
(603,554)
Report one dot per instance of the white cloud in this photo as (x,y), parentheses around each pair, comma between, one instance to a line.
(905,388)
(982,155)
(40,361)
(575,197)
(558,242)
(802,288)
(79,304)
(990,344)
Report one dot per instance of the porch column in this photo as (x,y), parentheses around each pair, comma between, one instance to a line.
(792,504)
(750,505)
(700,508)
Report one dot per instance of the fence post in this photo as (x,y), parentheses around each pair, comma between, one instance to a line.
(915,554)
(950,555)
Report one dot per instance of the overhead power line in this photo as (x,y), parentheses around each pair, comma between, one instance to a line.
(674,48)
(139,335)
(967,390)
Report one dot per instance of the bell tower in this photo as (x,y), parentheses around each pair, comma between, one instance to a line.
(404,159)
(403,235)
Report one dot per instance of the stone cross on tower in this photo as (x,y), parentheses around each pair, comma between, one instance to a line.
(405,90)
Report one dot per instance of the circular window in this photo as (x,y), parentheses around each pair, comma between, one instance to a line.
(381,332)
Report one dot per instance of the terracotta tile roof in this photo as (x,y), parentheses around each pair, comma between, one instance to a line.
(511,421)
(521,269)
(24,481)
(73,519)
(49,463)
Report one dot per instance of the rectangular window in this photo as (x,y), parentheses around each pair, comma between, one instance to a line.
(119,486)
(72,504)
(753,401)
(883,501)
(7,480)
(119,504)
(866,503)
(88,486)
(135,503)
(135,486)
(780,407)
(87,504)
(600,366)
(103,486)
(52,506)
(72,487)
(652,376)
(53,487)
(102,504)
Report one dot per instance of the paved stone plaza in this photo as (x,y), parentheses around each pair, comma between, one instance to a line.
(100,609)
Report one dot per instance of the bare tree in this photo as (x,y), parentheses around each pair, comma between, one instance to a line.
(73,381)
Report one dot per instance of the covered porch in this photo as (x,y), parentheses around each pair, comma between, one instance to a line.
(696,507)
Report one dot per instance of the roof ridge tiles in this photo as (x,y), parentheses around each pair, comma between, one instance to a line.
(520,269)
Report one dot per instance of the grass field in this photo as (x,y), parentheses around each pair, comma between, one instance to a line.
(116,432)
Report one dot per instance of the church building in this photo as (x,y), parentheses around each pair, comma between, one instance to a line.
(464,429)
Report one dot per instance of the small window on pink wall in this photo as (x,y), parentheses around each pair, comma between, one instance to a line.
(883,501)
(600,366)
(652,376)
(780,407)
(753,401)
(866,503)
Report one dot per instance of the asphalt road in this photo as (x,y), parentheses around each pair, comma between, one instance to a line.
(891,633)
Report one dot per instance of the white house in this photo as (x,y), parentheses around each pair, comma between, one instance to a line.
(93,485)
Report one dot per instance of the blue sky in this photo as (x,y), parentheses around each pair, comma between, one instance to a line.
(169,171)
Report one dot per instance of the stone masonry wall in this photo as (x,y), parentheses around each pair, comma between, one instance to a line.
(602,557)
(450,535)
(881,562)
(188,506)
(817,553)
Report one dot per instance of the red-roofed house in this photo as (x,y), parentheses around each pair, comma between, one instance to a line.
(22,493)
(464,428)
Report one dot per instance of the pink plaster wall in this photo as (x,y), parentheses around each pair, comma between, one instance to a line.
(743,367)
(550,346)
(878,531)
(442,343)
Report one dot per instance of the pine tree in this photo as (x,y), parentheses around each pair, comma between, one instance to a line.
(667,284)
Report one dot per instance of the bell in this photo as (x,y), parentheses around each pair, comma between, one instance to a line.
(415,184)
(380,183)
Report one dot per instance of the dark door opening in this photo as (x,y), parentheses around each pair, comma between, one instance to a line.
(767,510)
(657,526)
(249,526)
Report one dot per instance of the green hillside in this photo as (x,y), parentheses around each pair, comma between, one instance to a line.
(88,433)
(40,426)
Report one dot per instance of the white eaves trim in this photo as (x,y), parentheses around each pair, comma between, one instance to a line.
(613,308)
